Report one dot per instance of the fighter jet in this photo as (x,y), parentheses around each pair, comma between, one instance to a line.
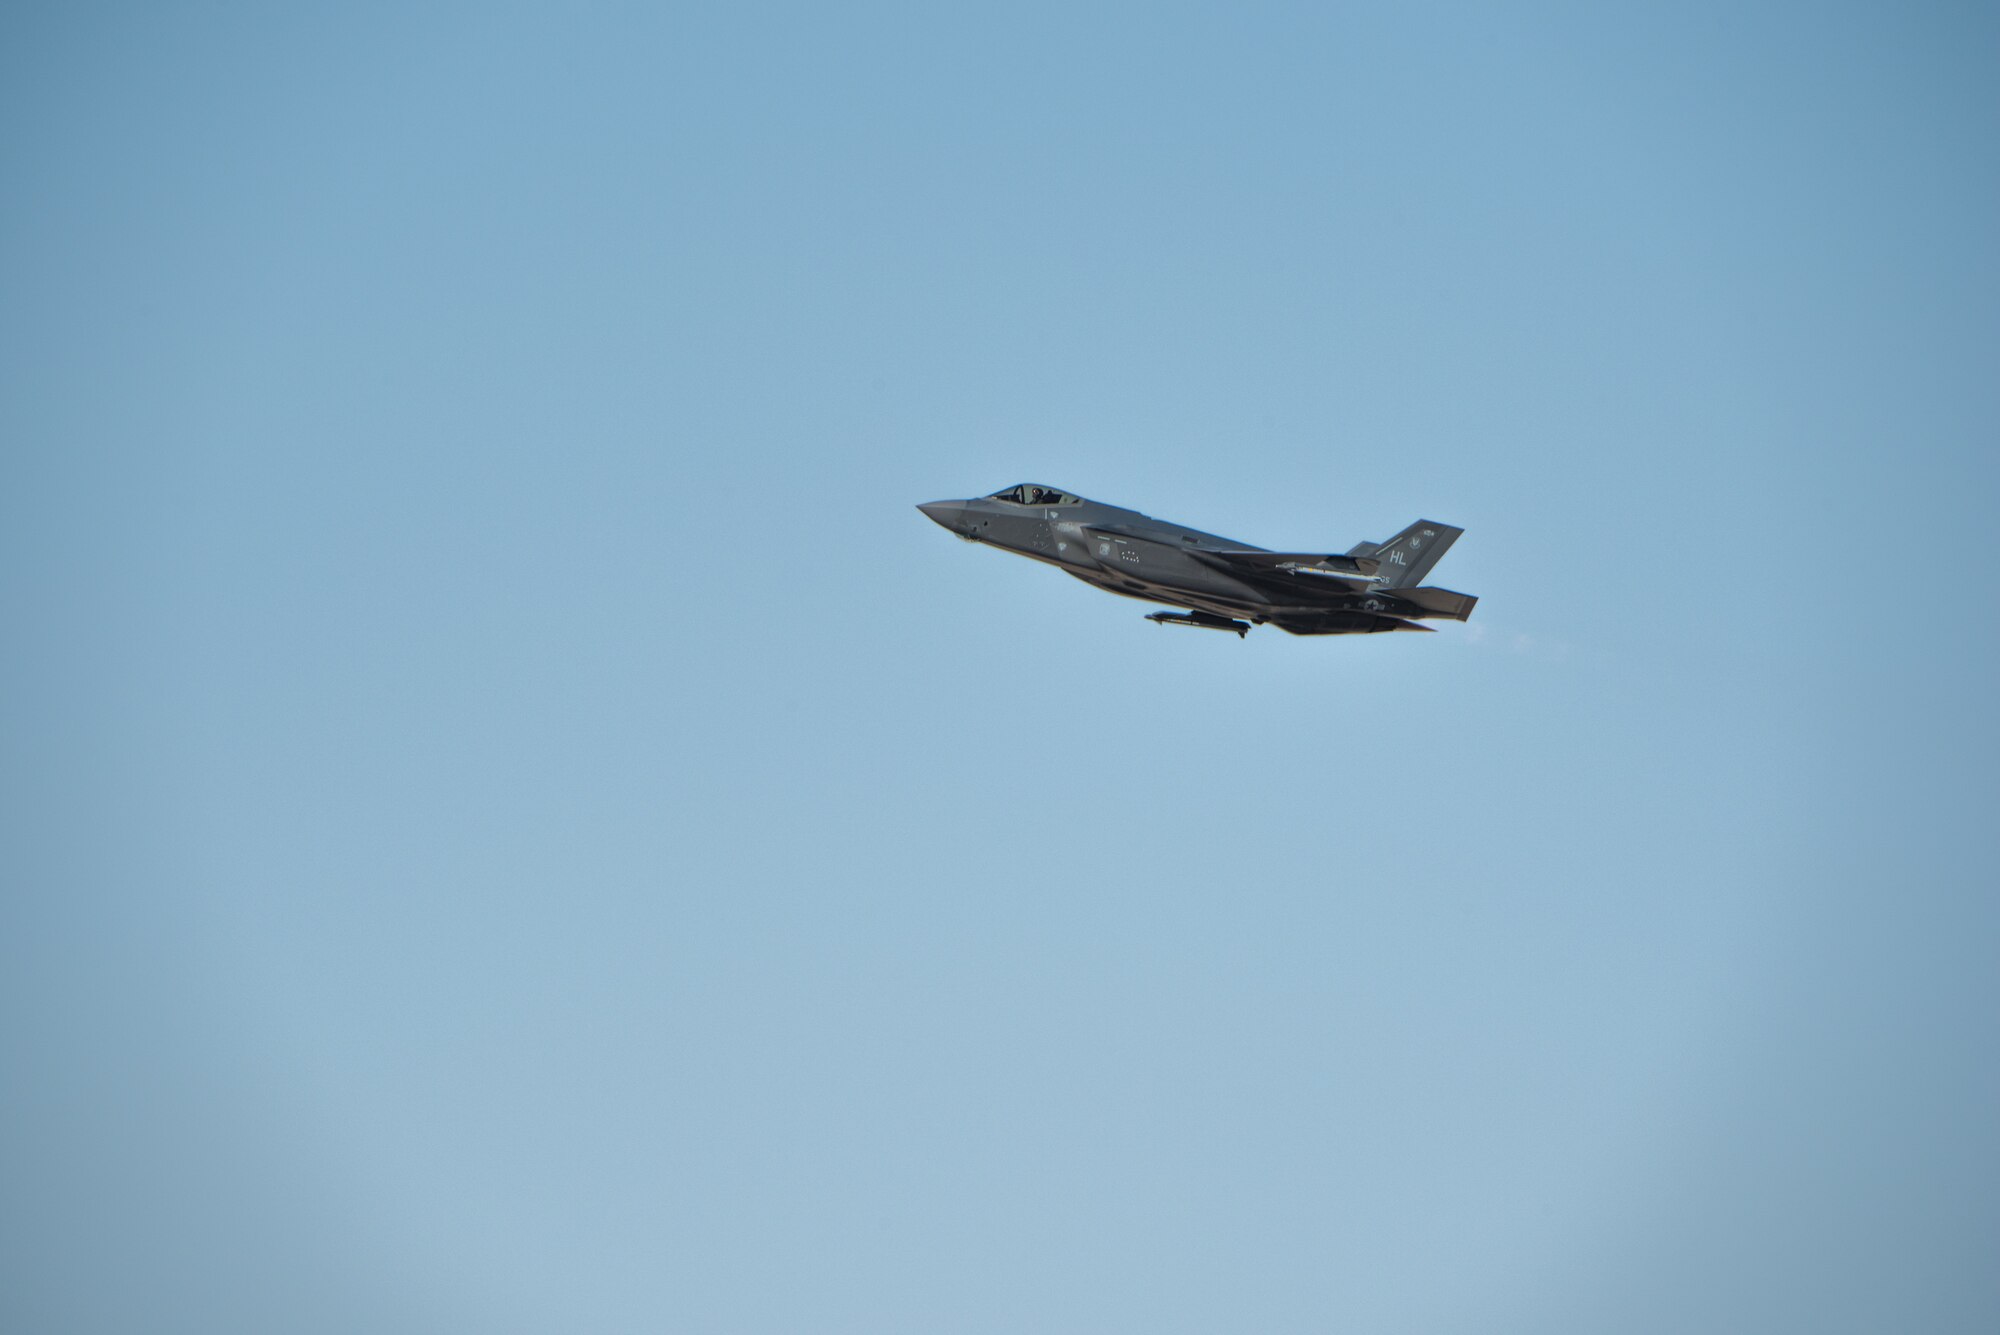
(1223,584)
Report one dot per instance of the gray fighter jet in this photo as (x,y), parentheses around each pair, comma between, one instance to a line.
(1225,585)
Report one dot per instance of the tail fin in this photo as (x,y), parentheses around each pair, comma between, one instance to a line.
(1409,556)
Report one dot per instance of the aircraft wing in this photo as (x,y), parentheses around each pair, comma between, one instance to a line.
(1342,623)
(1354,573)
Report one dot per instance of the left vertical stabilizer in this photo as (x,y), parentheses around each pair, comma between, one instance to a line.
(1409,556)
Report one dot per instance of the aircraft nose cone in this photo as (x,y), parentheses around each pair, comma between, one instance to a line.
(948,513)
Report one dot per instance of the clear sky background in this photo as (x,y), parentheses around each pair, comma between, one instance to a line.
(512,822)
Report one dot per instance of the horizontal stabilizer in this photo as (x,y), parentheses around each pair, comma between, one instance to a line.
(1440,602)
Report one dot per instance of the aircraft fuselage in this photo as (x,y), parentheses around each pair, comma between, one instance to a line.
(1136,556)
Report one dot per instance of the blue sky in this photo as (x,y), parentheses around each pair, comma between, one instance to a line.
(513,822)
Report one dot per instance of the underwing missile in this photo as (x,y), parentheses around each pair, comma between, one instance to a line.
(1202,620)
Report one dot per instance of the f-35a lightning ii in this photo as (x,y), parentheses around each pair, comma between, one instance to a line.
(1225,585)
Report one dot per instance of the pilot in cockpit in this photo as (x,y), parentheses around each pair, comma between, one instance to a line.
(1030,494)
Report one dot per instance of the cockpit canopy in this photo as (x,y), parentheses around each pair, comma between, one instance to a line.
(1030,494)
